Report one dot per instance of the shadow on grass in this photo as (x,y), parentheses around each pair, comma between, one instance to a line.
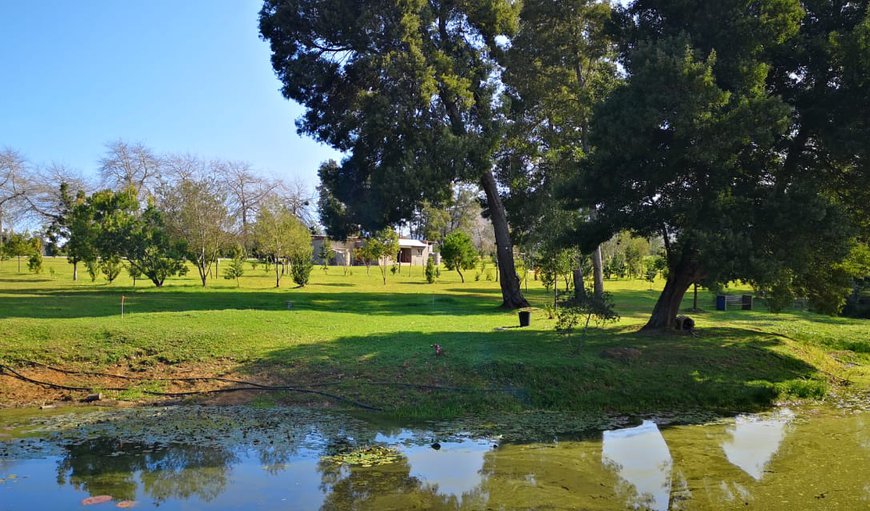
(72,303)
(725,370)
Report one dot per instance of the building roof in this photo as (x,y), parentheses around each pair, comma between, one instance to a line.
(406,243)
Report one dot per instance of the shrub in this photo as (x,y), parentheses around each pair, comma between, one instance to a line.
(300,268)
(430,271)
(34,263)
(111,268)
(586,308)
(93,270)
(236,269)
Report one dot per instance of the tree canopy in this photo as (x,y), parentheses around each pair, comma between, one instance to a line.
(704,146)
(409,90)
(458,253)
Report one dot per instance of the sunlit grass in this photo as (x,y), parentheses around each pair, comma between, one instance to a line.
(356,334)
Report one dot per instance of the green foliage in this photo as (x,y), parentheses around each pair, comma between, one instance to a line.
(553,264)
(301,266)
(93,269)
(430,270)
(235,269)
(586,308)
(458,253)
(111,268)
(148,245)
(408,91)
(81,230)
(109,226)
(326,255)
(280,235)
(134,272)
(432,93)
(559,65)
(34,263)
(19,245)
(382,245)
(714,145)
(195,214)
(653,267)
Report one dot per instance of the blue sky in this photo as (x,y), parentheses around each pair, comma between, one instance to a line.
(177,75)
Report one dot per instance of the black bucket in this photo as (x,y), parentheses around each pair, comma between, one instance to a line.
(525,318)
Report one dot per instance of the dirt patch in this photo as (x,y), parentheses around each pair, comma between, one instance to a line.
(122,385)
(117,384)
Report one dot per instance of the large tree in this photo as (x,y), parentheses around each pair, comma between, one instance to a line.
(409,90)
(245,191)
(111,225)
(195,210)
(560,65)
(702,147)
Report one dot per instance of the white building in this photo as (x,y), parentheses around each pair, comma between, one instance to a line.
(412,252)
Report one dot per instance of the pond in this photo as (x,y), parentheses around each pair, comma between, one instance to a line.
(246,458)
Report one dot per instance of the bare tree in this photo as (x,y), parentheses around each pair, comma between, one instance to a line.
(245,192)
(13,187)
(130,165)
(46,187)
(175,168)
(298,198)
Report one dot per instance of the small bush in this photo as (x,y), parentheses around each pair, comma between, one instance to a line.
(34,263)
(111,268)
(587,308)
(431,271)
(93,270)
(300,268)
(236,269)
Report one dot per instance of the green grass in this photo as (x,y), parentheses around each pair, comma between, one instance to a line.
(356,337)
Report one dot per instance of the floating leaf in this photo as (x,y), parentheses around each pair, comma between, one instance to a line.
(98,499)
(366,456)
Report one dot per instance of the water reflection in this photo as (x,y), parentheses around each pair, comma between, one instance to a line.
(111,467)
(760,461)
(755,440)
(641,458)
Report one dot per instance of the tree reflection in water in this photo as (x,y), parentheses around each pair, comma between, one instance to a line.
(389,486)
(107,466)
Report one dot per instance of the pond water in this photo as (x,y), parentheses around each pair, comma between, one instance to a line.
(243,458)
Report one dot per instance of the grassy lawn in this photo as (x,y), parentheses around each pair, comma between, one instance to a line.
(355,337)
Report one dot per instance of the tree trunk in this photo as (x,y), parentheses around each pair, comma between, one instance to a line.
(460,275)
(695,299)
(579,287)
(598,271)
(511,292)
(277,274)
(202,267)
(76,272)
(683,275)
